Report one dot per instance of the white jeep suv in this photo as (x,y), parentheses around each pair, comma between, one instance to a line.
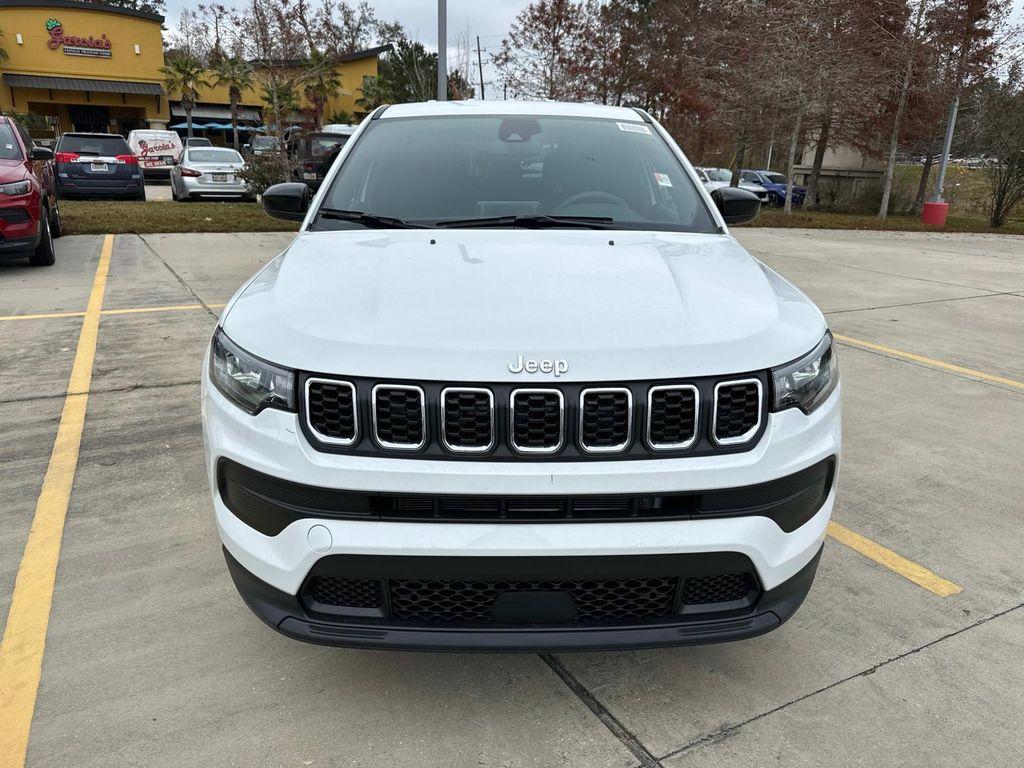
(515,386)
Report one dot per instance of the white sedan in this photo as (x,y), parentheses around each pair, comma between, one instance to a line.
(208,172)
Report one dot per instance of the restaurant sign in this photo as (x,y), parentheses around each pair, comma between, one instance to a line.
(98,47)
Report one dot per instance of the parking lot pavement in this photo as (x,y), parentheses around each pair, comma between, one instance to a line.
(151,659)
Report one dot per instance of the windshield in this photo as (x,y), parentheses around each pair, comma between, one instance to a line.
(777,178)
(264,142)
(105,146)
(719,174)
(214,156)
(9,149)
(452,169)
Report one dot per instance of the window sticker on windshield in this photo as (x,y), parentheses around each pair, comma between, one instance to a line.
(634,128)
(662,179)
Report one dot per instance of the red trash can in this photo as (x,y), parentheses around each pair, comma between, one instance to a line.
(935,214)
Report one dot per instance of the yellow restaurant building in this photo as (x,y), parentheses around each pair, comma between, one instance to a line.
(92,67)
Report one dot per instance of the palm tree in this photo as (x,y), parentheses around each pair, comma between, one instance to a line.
(183,73)
(236,74)
(321,81)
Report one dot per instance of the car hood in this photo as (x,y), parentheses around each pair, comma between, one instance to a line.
(11,170)
(462,305)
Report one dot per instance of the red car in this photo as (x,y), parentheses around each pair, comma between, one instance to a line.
(29,217)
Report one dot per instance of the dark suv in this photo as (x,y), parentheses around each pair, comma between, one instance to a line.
(29,219)
(98,165)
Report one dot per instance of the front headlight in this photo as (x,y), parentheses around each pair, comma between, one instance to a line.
(806,383)
(15,189)
(252,384)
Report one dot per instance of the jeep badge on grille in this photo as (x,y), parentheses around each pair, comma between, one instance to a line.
(521,365)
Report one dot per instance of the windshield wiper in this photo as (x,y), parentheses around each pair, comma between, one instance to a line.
(536,221)
(370,220)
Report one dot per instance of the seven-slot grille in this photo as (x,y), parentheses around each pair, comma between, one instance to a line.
(672,412)
(571,421)
(737,411)
(467,419)
(538,420)
(399,416)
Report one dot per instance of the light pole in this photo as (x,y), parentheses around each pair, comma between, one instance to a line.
(442,50)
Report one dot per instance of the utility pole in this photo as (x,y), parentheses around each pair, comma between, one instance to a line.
(480,64)
(940,179)
(442,50)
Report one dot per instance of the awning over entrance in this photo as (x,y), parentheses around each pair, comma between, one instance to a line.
(82,84)
(215,112)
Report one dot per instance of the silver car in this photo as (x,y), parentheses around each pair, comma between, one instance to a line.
(208,172)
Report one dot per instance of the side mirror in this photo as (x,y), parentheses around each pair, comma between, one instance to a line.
(288,201)
(737,206)
(41,153)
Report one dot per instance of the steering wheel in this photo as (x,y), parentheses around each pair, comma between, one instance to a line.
(592,196)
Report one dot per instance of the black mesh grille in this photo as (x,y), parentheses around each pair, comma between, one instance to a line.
(537,420)
(332,410)
(353,593)
(720,588)
(738,410)
(472,601)
(398,416)
(605,419)
(468,419)
(673,417)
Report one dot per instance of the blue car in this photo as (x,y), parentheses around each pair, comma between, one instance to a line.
(775,183)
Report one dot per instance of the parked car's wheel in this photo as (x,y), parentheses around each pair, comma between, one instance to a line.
(142,195)
(43,256)
(56,227)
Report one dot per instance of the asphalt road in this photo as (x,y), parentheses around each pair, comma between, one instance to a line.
(151,659)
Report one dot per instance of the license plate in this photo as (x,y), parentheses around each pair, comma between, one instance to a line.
(309,176)
(220,177)
(99,167)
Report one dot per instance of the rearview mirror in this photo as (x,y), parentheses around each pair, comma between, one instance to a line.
(288,201)
(737,206)
(42,153)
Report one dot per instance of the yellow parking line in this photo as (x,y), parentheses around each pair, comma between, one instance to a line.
(908,569)
(931,362)
(130,311)
(21,652)
(42,316)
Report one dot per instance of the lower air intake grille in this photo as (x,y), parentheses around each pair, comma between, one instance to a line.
(537,420)
(398,416)
(737,410)
(472,601)
(331,410)
(720,588)
(351,593)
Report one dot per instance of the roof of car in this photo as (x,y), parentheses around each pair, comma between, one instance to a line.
(534,108)
(97,135)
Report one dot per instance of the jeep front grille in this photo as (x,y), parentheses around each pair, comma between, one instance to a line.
(561,421)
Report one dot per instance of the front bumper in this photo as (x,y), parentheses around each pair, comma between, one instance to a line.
(289,615)
(271,570)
